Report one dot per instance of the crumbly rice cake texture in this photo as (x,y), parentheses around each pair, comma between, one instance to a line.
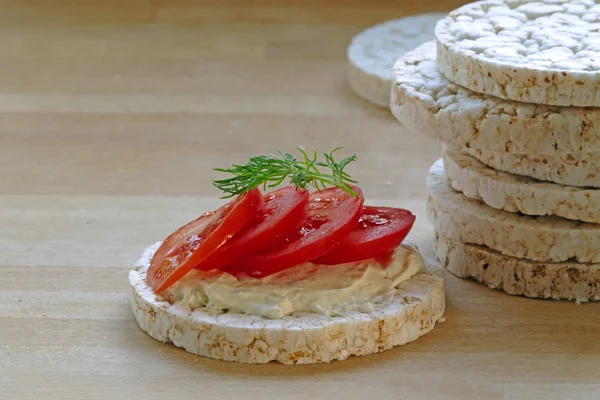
(569,169)
(372,53)
(516,193)
(539,238)
(516,276)
(305,338)
(424,101)
(544,52)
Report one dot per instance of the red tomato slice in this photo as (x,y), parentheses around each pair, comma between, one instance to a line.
(196,241)
(332,215)
(283,209)
(378,232)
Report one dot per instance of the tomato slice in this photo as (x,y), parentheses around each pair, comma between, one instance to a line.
(196,241)
(283,210)
(378,232)
(332,215)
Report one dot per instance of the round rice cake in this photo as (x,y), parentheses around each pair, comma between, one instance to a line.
(544,52)
(306,338)
(538,238)
(372,53)
(560,281)
(569,169)
(516,193)
(424,101)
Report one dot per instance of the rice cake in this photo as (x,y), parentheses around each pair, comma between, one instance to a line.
(538,238)
(516,193)
(424,101)
(372,53)
(544,52)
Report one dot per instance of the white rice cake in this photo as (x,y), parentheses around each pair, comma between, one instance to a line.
(411,311)
(542,238)
(517,193)
(570,169)
(544,52)
(424,101)
(372,53)
(559,281)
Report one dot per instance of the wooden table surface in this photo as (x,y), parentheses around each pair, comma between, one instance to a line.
(112,115)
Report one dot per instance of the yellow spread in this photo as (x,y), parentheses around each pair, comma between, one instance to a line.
(323,289)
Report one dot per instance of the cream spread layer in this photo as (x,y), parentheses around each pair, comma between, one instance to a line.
(311,288)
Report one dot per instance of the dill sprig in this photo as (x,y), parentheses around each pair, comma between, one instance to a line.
(271,170)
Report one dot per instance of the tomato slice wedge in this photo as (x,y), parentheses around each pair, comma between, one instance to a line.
(283,210)
(378,232)
(196,241)
(332,215)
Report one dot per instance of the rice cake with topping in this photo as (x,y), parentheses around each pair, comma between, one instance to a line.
(408,312)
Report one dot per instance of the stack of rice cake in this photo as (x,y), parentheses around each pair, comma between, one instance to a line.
(511,89)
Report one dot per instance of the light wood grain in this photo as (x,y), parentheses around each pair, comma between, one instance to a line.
(112,116)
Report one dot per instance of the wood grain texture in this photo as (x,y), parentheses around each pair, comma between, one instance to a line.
(113,114)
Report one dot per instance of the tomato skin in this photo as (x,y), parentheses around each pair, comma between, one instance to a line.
(197,240)
(283,209)
(332,215)
(379,231)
